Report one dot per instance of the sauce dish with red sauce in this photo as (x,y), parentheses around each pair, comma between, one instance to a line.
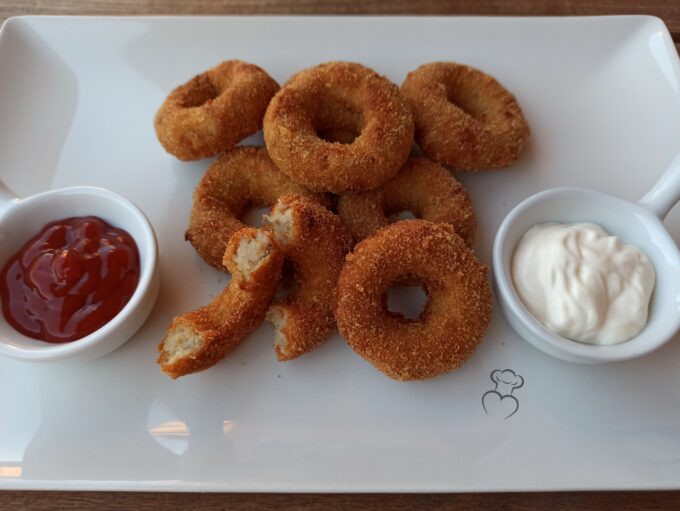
(79,266)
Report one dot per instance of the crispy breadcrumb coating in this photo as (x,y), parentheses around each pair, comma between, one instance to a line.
(464,118)
(339,98)
(241,179)
(215,110)
(199,339)
(424,188)
(455,317)
(315,241)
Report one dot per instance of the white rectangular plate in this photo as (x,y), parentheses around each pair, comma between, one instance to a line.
(77,100)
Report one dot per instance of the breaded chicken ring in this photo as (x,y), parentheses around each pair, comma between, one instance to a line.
(241,179)
(346,99)
(455,317)
(464,118)
(421,186)
(215,110)
(199,339)
(315,241)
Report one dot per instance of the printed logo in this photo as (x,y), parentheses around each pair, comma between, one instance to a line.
(500,402)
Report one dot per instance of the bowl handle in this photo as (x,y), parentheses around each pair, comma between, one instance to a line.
(665,193)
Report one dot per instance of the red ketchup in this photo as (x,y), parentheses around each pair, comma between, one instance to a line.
(70,279)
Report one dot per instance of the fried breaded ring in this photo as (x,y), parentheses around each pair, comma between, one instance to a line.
(464,117)
(340,97)
(315,241)
(241,179)
(215,110)
(199,339)
(455,317)
(422,187)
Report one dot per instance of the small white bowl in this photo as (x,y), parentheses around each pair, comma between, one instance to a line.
(636,224)
(20,219)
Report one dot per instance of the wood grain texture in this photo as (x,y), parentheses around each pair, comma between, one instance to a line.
(668,10)
(67,501)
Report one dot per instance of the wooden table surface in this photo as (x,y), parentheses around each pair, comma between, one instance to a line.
(668,10)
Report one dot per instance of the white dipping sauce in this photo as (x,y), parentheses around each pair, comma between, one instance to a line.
(582,283)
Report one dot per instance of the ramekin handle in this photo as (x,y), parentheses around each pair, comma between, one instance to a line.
(665,193)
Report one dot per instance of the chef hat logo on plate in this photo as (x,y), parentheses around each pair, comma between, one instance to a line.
(500,402)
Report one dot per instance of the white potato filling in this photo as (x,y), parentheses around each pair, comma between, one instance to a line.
(182,341)
(277,318)
(251,253)
(282,220)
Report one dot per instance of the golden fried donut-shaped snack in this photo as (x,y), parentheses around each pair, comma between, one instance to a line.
(199,339)
(455,317)
(315,241)
(424,188)
(310,124)
(215,110)
(464,117)
(241,179)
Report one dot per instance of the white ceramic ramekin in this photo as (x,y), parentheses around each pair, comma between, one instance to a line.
(22,218)
(636,224)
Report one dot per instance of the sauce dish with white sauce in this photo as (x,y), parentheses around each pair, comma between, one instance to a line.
(639,225)
(582,282)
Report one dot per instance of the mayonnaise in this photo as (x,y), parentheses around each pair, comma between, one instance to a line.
(582,283)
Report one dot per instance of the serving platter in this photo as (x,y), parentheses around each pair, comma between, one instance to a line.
(77,99)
